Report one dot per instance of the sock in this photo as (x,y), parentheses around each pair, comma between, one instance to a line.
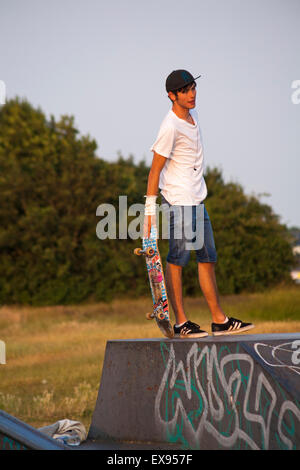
(225,321)
(180,324)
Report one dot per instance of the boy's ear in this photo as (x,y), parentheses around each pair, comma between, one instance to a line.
(172,96)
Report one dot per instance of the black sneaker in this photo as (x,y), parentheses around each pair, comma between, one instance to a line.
(230,327)
(189,330)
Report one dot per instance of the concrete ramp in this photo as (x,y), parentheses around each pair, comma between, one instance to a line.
(234,392)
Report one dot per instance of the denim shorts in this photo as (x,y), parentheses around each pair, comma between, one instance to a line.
(180,243)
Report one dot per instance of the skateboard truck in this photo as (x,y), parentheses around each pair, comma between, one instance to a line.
(157,312)
(147,252)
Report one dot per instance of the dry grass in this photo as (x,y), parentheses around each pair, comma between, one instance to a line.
(54,354)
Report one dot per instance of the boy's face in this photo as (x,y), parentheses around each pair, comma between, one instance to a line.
(185,98)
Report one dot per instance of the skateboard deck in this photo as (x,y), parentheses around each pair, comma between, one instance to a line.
(157,283)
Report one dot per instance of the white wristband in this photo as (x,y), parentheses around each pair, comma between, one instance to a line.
(150,205)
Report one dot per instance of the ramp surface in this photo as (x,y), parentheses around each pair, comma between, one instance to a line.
(17,435)
(234,392)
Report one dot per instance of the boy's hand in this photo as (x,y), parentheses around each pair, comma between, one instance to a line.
(149,220)
(150,212)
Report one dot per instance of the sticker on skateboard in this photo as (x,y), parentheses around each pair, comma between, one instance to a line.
(157,283)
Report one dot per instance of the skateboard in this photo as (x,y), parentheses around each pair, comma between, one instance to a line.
(157,283)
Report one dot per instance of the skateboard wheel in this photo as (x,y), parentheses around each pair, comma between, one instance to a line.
(161,316)
(149,316)
(137,251)
(150,252)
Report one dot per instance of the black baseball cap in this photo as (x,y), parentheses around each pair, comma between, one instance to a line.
(179,79)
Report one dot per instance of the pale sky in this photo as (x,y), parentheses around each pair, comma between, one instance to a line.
(105,62)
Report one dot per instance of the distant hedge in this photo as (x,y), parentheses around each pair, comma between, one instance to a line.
(51,183)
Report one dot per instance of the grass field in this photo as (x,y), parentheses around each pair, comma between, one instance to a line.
(54,355)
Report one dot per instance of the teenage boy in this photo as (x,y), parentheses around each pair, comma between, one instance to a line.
(177,170)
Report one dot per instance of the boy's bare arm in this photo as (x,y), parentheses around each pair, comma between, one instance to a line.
(158,163)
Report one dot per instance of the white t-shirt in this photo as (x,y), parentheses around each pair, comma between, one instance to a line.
(181,180)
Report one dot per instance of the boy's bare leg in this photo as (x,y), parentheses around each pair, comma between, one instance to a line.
(174,289)
(208,284)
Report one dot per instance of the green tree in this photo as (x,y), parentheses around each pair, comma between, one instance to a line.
(254,248)
(48,194)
